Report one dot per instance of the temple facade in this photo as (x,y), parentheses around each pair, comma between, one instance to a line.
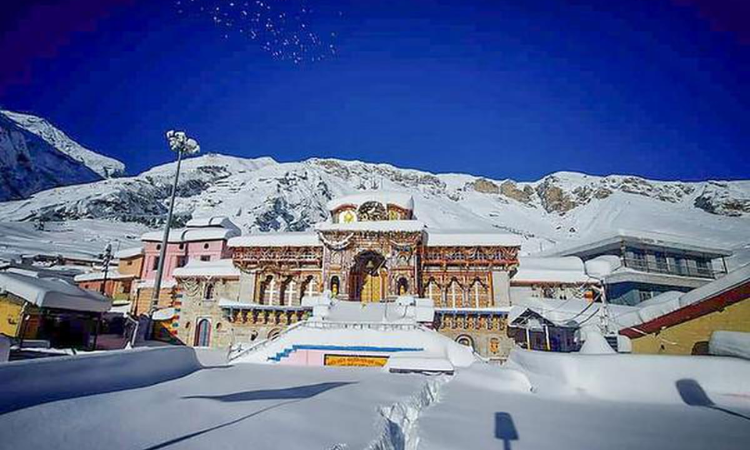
(372,249)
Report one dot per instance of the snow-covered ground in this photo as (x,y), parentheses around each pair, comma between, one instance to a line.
(243,406)
(537,401)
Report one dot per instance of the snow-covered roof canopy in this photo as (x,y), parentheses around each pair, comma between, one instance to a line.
(302,239)
(569,269)
(223,268)
(214,221)
(399,199)
(468,238)
(53,293)
(660,241)
(129,253)
(179,235)
(410,226)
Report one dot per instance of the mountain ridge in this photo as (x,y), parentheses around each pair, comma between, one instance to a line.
(262,195)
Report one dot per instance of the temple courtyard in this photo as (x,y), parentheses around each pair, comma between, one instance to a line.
(518,405)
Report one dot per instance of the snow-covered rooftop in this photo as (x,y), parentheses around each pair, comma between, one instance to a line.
(129,252)
(385,226)
(468,238)
(569,269)
(399,199)
(644,238)
(216,268)
(296,239)
(192,235)
(672,301)
(112,274)
(53,293)
(214,221)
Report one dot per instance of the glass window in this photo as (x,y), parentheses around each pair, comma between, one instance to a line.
(155,265)
(205,257)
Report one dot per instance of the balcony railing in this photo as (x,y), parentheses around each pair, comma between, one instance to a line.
(671,269)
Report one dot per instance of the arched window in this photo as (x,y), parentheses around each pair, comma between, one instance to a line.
(269,294)
(289,291)
(466,340)
(335,285)
(309,288)
(479,294)
(403,286)
(432,291)
(455,294)
(208,294)
(273,334)
(202,333)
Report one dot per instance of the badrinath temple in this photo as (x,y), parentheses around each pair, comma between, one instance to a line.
(372,249)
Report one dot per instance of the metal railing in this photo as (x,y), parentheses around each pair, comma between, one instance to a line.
(643,265)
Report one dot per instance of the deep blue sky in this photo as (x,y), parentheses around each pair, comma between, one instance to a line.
(516,89)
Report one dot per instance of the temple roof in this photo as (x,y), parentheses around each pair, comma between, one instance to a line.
(304,239)
(409,226)
(399,199)
(469,238)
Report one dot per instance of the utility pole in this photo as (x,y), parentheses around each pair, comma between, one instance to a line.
(180,143)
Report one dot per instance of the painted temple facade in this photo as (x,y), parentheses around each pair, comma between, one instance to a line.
(372,249)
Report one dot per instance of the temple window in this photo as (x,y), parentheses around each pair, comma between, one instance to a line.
(289,291)
(270,291)
(479,294)
(465,340)
(433,292)
(308,287)
(208,294)
(455,294)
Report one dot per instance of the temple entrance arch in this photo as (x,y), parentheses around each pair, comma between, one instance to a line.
(368,277)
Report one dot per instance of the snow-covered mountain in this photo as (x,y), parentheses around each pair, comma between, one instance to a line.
(34,155)
(264,195)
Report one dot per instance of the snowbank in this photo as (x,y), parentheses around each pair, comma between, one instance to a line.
(634,378)
(32,382)
(730,343)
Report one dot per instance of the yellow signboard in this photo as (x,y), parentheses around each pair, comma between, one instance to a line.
(355,360)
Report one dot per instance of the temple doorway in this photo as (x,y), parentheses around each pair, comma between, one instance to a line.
(368,277)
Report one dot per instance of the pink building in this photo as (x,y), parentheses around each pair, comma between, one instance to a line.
(202,239)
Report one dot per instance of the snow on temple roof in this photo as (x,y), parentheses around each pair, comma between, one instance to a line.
(569,269)
(464,238)
(216,268)
(129,253)
(215,221)
(191,235)
(296,239)
(53,293)
(379,227)
(644,238)
(399,199)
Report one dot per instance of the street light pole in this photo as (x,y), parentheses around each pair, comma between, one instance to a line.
(107,259)
(180,143)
